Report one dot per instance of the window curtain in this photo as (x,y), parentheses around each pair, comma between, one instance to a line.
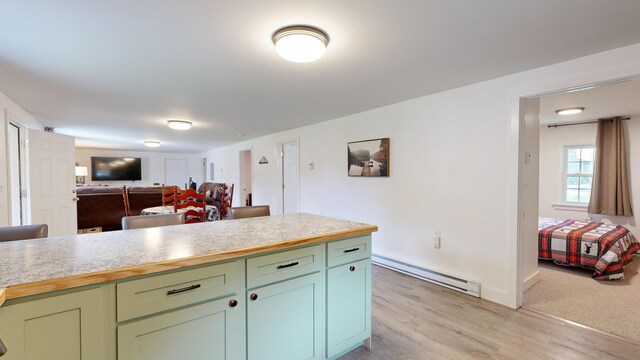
(610,187)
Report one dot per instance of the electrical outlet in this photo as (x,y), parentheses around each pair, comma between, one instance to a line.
(436,240)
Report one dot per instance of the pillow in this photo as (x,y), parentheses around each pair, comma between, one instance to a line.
(208,193)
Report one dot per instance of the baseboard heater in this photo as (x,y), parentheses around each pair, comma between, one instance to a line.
(469,287)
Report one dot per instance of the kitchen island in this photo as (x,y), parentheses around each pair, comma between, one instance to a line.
(281,287)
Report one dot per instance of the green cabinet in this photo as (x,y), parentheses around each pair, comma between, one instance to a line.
(213,331)
(196,313)
(306,303)
(70,326)
(348,306)
(286,320)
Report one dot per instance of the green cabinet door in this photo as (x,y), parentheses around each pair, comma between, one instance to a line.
(285,321)
(213,331)
(348,306)
(72,326)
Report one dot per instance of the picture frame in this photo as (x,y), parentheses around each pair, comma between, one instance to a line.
(368,158)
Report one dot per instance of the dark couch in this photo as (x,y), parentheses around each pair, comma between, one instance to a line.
(142,197)
(104,206)
(100,207)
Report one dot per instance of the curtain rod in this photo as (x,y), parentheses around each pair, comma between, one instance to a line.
(584,122)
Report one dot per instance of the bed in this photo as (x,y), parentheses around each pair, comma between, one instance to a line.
(604,248)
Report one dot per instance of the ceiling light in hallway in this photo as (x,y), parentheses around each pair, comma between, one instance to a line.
(152,144)
(179,124)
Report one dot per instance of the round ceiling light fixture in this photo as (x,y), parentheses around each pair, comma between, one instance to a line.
(300,43)
(570,111)
(152,144)
(179,124)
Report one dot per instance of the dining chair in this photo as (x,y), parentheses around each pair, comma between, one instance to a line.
(125,198)
(227,200)
(169,195)
(24,232)
(147,221)
(249,211)
(194,205)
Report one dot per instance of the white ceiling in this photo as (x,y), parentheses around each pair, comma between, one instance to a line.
(621,99)
(112,72)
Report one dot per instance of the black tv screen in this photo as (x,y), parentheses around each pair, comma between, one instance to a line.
(115,168)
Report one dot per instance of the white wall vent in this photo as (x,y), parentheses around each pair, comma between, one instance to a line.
(469,287)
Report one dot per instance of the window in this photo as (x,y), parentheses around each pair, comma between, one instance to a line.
(578,175)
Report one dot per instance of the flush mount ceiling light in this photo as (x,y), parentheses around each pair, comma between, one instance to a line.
(300,43)
(151,144)
(179,124)
(570,111)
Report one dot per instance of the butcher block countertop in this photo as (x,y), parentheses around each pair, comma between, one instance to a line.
(37,266)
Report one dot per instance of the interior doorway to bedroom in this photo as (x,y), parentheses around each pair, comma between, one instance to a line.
(559,170)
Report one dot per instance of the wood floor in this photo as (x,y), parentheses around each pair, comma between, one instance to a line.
(414,319)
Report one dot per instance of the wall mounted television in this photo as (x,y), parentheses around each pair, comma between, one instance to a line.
(116,168)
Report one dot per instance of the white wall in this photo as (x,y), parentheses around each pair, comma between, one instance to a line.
(10,112)
(455,166)
(552,143)
(152,165)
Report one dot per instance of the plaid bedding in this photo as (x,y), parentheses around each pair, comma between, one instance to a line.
(605,248)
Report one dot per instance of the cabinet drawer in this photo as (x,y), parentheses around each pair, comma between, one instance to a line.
(344,251)
(271,268)
(158,293)
(212,330)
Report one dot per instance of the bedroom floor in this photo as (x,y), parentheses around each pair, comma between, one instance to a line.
(572,294)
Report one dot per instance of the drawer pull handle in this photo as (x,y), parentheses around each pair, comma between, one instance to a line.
(352,268)
(351,250)
(287,265)
(233,303)
(253,296)
(188,288)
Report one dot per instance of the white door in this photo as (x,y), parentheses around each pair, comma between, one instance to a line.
(52,183)
(175,172)
(245,177)
(289,172)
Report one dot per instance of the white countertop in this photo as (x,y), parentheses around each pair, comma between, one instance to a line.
(35,266)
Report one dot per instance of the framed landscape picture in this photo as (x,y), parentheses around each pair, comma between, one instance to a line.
(368,157)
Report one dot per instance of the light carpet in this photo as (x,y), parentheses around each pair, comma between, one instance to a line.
(571,294)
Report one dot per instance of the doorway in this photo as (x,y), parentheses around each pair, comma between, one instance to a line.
(246,176)
(289,180)
(15,159)
(558,167)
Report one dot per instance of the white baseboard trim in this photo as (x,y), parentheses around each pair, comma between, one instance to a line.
(531,280)
(453,282)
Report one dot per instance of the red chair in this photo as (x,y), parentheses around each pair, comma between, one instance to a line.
(194,205)
(227,201)
(125,197)
(169,194)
